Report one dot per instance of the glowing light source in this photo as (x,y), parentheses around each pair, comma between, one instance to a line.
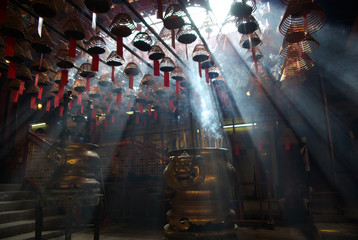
(248,93)
(39,106)
(7,61)
(220,9)
(38,124)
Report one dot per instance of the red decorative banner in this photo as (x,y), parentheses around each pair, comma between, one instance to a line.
(79,98)
(207,75)
(3,4)
(64,77)
(61,91)
(177,87)
(130,81)
(48,105)
(72,48)
(140,105)
(36,79)
(173,38)
(94,113)
(11,73)
(199,67)
(61,111)
(260,148)
(22,87)
(120,46)
(156,68)
(166,79)
(171,104)
(95,62)
(39,96)
(112,73)
(287,144)
(10,46)
(160,9)
(33,102)
(15,95)
(88,84)
(56,102)
(70,105)
(82,108)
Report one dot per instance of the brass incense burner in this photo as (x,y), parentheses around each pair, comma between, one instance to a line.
(200,179)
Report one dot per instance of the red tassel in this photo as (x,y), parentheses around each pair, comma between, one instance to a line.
(171,104)
(94,113)
(149,110)
(120,46)
(260,148)
(57,101)
(160,9)
(11,73)
(166,79)
(118,98)
(95,62)
(61,111)
(177,87)
(287,144)
(140,105)
(70,105)
(72,48)
(61,91)
(236,150)
(3,4)
(207,75)
(33,102)
(88,84)
(82,109)
(39,96)
(112,73)
(173,38)
(199,66)
(130,81)
(156,68)
(48,105)
(136,118)
(36,79)
(64,77)
(155,115)
(15,95)
(79,98)
(10,46)
(22,87)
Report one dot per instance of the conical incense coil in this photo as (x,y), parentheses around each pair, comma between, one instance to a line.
(200,53)
(13,25)
(307,44)
(131,69)
(141,97)
(213,72)
(85,71)
(258,55)
(186,34)
(108,97)
(44,80)
(54,88)
(185,83)
(19,55)
(173,17)
(245,41)
(155,53)
(118,86)
(218,81)
(158,89)
(247,25)
(95,92)
(98,6)
(130,94)
(167,65)
(14,84)
(105,80)
(296,61)
(147,80)
(114,59)
(303,13)
(178,74)
(23,73)
(64,61)
(44,8)
(96,45)
(79,85)
(43,44)
(142,41)
(73,28)
(242,8)
(40,68)
(33,90)
(122,25)
(207,63)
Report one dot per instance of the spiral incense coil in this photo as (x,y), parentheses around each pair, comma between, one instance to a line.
(296,61)
(114,59)
(186,34)
(173,17)
(108,98)
(44,8)
(86,70)
(178,74)
(118,86)
(27,50)
(57,77)
(49,95)
(80,85)
(147,80)
(258,54)
(142,41)
(303,13)
(24,73)
(37,68)
(166,65)
(159,88)
(185,83)
(245,40)
(243,8)
(155,53)
(247,25)
(33,90)
(219,81)
(44,80)
(14,84)
(96,45)
(131,69)
(54,88)
(200,53)
(130,94)
(141,97)
(122,25)
(95,92)
(19,55)
(98,6)
(307,44)
(64,61)
(213,72)
(13,25)
(43,44)
(73,28)
(105,80)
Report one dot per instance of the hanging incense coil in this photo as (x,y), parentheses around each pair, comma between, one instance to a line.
(245,40)
(64,61)
(33,90)
(303,13)
(44,8)
(200,53)
(147,80)
(114,59)
(19,55)
(118,86)
(96,45)
(186,34)
(44,80)
(159,88)
(24,73)
(49,95)
(185,83)
(73,28)
(247,25)
(105,80)
(130,94)
(54,88)
(173,17)
(98,6)
(242,8)
(108,97)
(80,85)
(85,71)
(141,97)
(207,63)
(155,53)
(13,25)
(166,65)
(43,44)
(306,44)
(37,68)
(27,50)
(296,61)
(142,41)
(178,74)
(57,77)
(219,81)
(122,25)
(95,92)
(14,84)
(131,69)
(258,54)
(213,72)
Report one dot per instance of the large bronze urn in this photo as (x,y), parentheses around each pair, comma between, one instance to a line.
(200,180)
